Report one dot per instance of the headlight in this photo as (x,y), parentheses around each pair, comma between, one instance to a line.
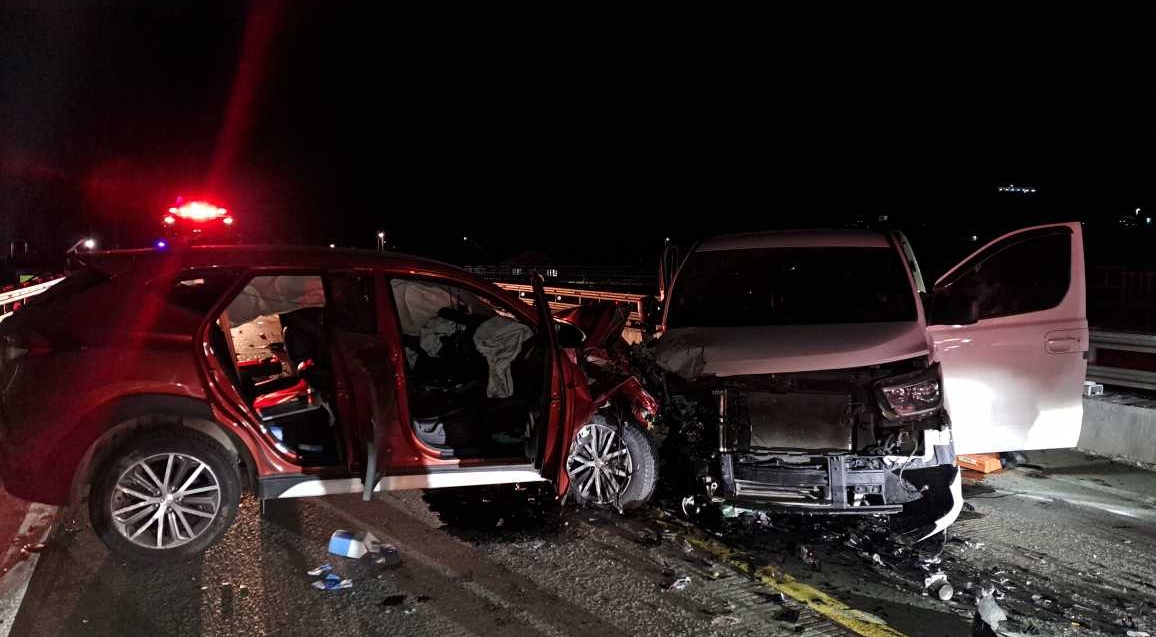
(910,395)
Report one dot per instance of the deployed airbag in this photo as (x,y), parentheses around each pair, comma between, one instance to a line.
(500,339)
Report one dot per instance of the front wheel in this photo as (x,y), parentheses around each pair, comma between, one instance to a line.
(612,465)
(165,495)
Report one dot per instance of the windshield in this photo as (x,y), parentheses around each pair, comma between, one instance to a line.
(791,286)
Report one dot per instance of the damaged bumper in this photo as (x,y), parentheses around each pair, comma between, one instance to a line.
(847,484)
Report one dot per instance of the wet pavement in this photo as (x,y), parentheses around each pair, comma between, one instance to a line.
(1064,557)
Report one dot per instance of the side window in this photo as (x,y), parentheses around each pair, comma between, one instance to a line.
(1028,275)
(256,316)
(439,322)
(353,300)
(198,290)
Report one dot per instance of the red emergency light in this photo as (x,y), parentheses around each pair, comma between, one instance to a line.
(198,211)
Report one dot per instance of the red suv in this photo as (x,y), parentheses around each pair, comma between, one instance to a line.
(162,383)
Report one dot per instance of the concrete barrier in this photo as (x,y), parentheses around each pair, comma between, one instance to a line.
(1118,425)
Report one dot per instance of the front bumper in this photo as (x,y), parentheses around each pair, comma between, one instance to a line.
(846,484)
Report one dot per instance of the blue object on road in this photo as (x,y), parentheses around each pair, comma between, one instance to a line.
(355,545)
(332,582)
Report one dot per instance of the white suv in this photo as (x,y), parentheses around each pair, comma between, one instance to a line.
(828,380)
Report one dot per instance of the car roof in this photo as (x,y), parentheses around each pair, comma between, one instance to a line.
(266,256)
(840,238)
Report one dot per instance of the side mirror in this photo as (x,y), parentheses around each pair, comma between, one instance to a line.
(947,308)
(569,337)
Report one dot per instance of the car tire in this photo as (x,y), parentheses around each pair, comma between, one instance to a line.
(174,457)
(643,464)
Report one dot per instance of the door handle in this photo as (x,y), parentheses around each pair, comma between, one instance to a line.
(1062,345)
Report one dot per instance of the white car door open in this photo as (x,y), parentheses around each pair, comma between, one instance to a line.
(1009,329)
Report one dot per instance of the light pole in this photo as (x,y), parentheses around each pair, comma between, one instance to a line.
(381,241)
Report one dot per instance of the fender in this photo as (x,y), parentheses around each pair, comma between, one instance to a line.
(120,417)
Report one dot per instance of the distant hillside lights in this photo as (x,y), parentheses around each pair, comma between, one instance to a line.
(1135,220)
(1014,188)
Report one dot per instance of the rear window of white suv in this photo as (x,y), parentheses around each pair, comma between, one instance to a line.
(791,286)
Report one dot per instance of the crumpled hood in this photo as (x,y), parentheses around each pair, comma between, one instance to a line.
(735,351)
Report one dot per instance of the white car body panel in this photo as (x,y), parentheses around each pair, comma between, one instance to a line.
(1015,383)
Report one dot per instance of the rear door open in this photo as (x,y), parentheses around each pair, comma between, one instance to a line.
(1009,329)
(364,376)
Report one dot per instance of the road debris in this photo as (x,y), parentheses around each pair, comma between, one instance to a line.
(808,556)
(320,570)
(679,584)
(1137,633)
(332,582)
(387,555)
(354,545)
(988,612)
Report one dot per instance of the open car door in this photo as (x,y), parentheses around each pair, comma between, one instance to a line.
(553,435)
(1009,330)
(364,379)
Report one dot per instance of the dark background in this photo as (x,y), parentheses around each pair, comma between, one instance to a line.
(586,137)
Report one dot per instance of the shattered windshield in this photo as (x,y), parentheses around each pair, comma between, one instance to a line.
(791,286)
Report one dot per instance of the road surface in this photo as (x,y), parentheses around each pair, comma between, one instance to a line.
(1069,549)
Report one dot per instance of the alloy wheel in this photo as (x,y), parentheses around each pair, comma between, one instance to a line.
(165,500)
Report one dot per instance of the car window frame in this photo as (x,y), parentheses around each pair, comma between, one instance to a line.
(945,286)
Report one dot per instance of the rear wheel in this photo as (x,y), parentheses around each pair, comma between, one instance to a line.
(165,495)
(611,465)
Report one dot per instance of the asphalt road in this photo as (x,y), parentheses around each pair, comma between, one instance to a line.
(1066,556)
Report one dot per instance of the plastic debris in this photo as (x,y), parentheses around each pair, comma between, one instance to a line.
(387,555)
(937,583)
(678,584)
(878,560)
(332,582)
(807,554)
(320,570)
(355,545)
(1137,633)
(989,611)
(935,579)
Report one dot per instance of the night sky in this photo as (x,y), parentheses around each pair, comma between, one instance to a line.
(588,137)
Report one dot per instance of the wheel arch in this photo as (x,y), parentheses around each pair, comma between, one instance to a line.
(122,417)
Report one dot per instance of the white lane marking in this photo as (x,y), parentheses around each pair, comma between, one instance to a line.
(14,583)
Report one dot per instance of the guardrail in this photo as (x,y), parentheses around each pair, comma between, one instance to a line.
(9,299)
(563,298)
(1122,358)
(573,276)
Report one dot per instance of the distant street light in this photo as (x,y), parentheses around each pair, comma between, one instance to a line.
(89,244)
(332,245)
(381,241)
